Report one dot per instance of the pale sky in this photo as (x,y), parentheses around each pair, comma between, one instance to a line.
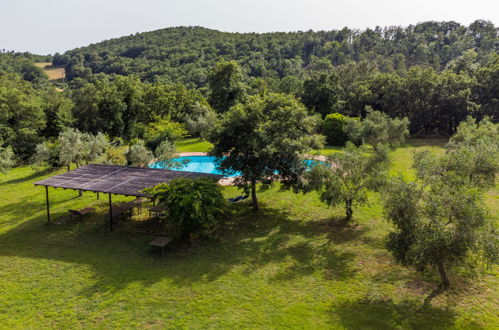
(49,26)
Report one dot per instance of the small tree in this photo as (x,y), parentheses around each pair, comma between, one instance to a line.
(46,154)
(139,155)
(351,174)
(195,206)
(72,147)
(440,218)
(164,154)
(162,130)
(377,129)
(77,147)
(6,159)
(265,140)
(96,145)
(348,176)
(439,224)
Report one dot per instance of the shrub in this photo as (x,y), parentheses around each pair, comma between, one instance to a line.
(139,155)
(115,156)
(6,159)
(162,130)
(46,154)
(195,206)
(332,128)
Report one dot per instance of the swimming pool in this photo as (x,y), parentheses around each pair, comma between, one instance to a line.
(201,164)
(205,164)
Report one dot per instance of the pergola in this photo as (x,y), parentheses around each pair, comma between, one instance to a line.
(114,179)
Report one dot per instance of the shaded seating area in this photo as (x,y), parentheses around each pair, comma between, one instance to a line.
(114,180)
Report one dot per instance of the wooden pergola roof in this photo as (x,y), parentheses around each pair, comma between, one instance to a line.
(115,179)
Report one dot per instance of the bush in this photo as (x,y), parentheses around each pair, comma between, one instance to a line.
(115,156)
(138,155)
(162,130)
(332,128)
(46,154)
(195,206)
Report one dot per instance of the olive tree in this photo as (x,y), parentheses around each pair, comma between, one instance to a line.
(440,218)
(6,159)
(265,140)
(139,155)
(348,176)
(77,147)
(165,153)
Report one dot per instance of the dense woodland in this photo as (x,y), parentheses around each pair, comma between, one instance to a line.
(433,73)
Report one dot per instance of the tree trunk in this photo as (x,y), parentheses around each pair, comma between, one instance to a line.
(69,168)
(443,276)
(253,195)
(349,211)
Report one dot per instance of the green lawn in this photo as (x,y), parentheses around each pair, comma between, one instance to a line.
(193,144)
(283,267)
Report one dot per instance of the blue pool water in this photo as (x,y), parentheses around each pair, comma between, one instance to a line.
(204,164)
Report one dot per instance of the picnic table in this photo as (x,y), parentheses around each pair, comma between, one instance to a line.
(156,210)
(81,213)
(161,242)
(123,210)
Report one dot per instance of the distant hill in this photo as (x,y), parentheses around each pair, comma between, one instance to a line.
(184,54)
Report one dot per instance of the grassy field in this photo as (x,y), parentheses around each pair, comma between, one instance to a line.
(286,266)
(55,73)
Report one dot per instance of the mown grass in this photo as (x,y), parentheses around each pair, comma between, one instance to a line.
(287,266)
(193,144)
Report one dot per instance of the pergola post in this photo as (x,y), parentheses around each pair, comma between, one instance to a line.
(48,204)
(110,213)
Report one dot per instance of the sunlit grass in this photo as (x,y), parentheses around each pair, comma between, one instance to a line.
(193,144)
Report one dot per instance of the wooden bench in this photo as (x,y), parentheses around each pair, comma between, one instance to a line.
(81,213)
(161,242)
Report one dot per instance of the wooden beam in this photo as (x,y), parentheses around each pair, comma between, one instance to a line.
(110,213)
(48,204)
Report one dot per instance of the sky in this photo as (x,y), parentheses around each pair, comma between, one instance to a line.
(49,26)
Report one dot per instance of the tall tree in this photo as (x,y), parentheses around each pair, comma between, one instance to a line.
(265,140)
(226,88)
(321,93)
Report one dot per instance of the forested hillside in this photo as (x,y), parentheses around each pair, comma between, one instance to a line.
(184,54)
(434,73)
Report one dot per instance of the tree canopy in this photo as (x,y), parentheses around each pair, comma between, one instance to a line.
(265,139)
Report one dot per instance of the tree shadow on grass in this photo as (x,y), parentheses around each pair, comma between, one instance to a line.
(251,240)
(32,177)
(369,313)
